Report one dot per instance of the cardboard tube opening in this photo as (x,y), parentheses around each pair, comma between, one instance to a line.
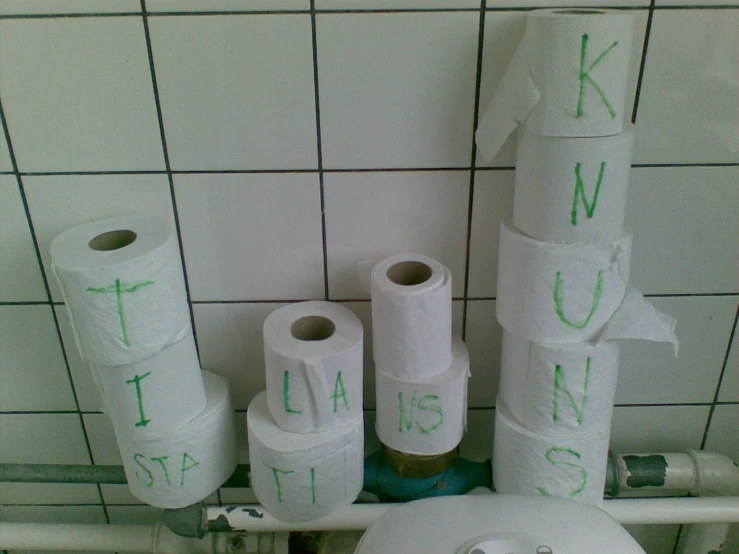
(112,240)
(409,273)
(580,12)
(313,328)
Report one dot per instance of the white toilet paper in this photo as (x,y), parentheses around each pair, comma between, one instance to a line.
(559,293)
(568,78)
(411,316)
(301,477)
(424,416)
(123,285)
(156,396)
(572,190)
(534,465)
(184,467)
(559,389)
(313,354)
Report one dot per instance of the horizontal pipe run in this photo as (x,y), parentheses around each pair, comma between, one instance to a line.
(69,536)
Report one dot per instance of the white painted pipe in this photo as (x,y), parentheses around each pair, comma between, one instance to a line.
(703,538)
(255,519)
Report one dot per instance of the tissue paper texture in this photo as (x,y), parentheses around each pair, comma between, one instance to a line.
(559,389)
(534,465)
(424,416)
(126,301)
(568,78)
(572,190)
(301,477)
(156,396)
(186,466)
(411,316)
(559,293)
(314,382)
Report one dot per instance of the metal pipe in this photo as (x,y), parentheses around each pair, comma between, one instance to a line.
(703,538)
(48,536)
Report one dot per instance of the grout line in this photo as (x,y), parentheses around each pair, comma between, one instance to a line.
(677,538)
(294,300)
(165,153)
(697,164)
(45,279)
(319,145)
(27,303)
(473,159)
(68,15)
(720,380)
(643,62)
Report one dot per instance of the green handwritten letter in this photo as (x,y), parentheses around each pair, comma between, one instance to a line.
(120,289)
(405,421)
(276,472)
(559,301)
(161,461)
(336,395)
(185,467)
(286,394)
(560,463)
(137,458)
(143,422)
(580,193)
(585,77)
(561,385)
(424,405)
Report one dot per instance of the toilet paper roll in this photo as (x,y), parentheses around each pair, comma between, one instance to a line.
(568,78)
(123,286)
(156,396)
(313,353)
(559,293)
(424,416)
(572,190)
(301,477)
(411,316)
(559,389)
(534,465)
(184,467)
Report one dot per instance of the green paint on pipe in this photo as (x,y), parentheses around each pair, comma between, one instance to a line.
(219,525)
(646,471)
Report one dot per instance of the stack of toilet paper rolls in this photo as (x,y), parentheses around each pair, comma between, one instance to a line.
(123,286)
(306,432)
(564,256)
(421,370)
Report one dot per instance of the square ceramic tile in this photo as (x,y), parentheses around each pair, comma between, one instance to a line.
(135,515)
(477,444)
(77,94)
(397,90)
(231,344)
(88,394)
(503,32)
(20,274)
(60,202)
(363,310)
(492,202)
(730,383)
(105,452)
(44,439)
(237,91)
(655,539)
(649,372)
(252,236)
(484,336)
(722,435)
(6,164)
(32,369)
(395,4)
(657,428)
(370,216)
(225,5)
(687,107)
(685,228)
(68,6)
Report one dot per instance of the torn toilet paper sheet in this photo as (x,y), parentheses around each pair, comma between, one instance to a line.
(568,78)
(559,293)
(184,467)
(123,286)
(301,477)
(559,389)
(572,190)
(156,396)
(411,316)
(424,416)
(313,354)
(535,465)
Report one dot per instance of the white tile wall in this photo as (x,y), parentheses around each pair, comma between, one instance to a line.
(252,171)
